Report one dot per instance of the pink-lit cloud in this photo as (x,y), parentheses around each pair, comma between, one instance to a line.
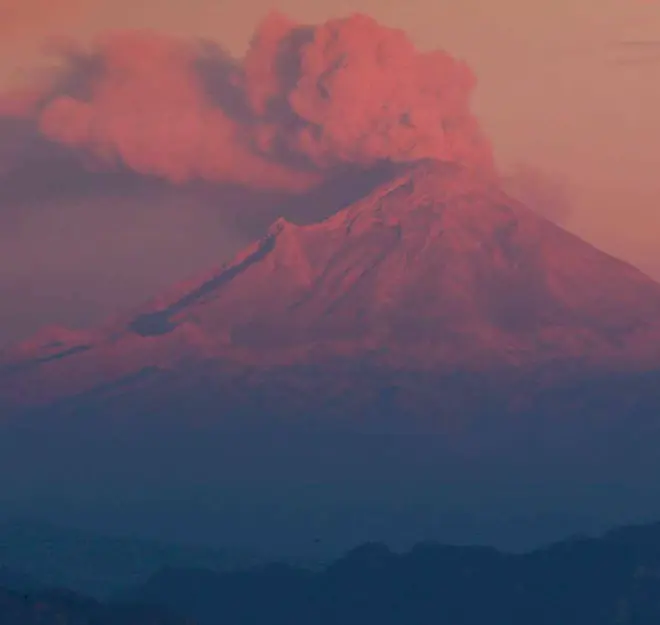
(97,158)
(305,102)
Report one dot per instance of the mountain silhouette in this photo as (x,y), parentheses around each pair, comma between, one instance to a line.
(608,580)
(36,555)
(62,607)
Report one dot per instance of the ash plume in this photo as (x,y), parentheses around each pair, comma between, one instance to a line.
(305,104)
(351,92)
(139,101)
(100,153)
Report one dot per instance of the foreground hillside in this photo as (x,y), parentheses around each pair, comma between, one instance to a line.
(64,608)
(611,580)
(614,580)
(48,555)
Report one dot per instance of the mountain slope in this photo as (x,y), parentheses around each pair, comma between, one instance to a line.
(435,268)
(435,256)
(435,343)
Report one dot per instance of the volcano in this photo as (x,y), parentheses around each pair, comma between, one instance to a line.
(435,270)
(421,345)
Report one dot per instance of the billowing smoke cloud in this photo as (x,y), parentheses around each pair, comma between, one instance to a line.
(547,195)
(139,101)
(305,103)
(350,92)
(146,158)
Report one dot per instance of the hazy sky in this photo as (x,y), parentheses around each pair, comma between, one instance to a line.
(552,88)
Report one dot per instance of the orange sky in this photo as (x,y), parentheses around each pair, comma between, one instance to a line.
(550,92)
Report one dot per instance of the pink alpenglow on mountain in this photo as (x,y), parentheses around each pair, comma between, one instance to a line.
(437,269)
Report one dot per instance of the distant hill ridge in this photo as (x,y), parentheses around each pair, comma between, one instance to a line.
(605,581)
